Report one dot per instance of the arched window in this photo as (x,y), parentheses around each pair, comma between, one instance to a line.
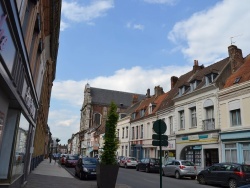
(97,119)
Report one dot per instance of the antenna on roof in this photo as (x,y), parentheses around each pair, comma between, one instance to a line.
(231,38)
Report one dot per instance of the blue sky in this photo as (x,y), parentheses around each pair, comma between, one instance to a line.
(133,45)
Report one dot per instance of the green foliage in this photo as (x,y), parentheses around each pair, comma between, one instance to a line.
(110,140)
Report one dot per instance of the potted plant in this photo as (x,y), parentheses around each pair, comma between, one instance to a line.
(107,168)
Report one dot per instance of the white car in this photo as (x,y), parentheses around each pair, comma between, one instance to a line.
(128,162)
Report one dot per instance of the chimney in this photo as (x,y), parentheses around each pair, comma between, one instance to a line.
(174,80)
(135,99)
(148,93)
(196,66)
(235,57)
(158,91)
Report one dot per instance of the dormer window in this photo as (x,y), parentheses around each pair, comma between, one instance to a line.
(122,115)
(183,89)
(210,78)
(133,115)
(237,80)
(151,108)
(194,84)
(142,112)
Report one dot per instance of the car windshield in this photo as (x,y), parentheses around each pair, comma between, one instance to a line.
(89,161)
(132,159)
(73,157)
(155,161)
(246,168)
(187,163)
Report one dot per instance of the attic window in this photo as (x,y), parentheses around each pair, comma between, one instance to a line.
(210,78)
(237,80)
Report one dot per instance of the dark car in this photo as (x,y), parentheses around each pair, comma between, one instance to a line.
(148,165)
(226,174)
(86,168)
(71,160)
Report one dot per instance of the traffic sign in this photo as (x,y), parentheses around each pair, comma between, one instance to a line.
(157,137)
(158,142)
(159,126)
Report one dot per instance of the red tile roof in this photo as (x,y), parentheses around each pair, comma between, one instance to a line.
(243,73)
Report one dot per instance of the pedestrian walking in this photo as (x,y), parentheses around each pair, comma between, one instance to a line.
(50,157)
(55,158)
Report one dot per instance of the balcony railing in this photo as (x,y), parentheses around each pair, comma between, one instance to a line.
(208,124)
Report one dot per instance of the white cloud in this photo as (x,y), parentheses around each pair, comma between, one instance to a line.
(136,80)
(170,2)
(135,26)
(205,34)
(64,123)
(76,12)
(63,26)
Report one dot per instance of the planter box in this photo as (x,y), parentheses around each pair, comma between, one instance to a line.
(106,175)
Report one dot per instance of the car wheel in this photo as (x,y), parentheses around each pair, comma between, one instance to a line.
(81,176)
(137,168)
(193,177)
(232,183)
(201,179)
(147,169)
(177,175)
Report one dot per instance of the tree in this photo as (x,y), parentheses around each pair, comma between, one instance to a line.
(110,140)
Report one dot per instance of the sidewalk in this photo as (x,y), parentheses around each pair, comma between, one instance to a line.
(52,175)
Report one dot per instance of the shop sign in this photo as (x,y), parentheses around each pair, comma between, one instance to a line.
(197,147)
(193,137)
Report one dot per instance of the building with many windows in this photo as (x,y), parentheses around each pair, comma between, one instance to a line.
(234,105)
(28,54)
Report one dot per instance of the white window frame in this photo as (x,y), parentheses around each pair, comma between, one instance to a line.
(193,117)
(237,114)
(182,119)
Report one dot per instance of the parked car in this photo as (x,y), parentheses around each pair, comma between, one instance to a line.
(226,174)
(128,162)
(179,169)
(71,160)
(86,168)
(148,165)
(119,159)
(63,159)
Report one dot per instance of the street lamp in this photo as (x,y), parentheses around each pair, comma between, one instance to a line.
(57,140)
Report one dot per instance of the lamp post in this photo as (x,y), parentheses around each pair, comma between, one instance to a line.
(57,140)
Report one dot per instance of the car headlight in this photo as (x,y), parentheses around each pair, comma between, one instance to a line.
(85,169)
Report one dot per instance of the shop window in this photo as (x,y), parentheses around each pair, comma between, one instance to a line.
(20,149)
(246,153)
(230,153)
(235,117)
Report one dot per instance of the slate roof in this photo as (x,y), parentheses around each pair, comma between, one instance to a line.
(105,96)
(190,77)
(144,105)
(243,74)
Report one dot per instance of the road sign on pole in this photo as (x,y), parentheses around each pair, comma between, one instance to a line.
(159,139)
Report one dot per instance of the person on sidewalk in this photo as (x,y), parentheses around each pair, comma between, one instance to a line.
(50,157)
